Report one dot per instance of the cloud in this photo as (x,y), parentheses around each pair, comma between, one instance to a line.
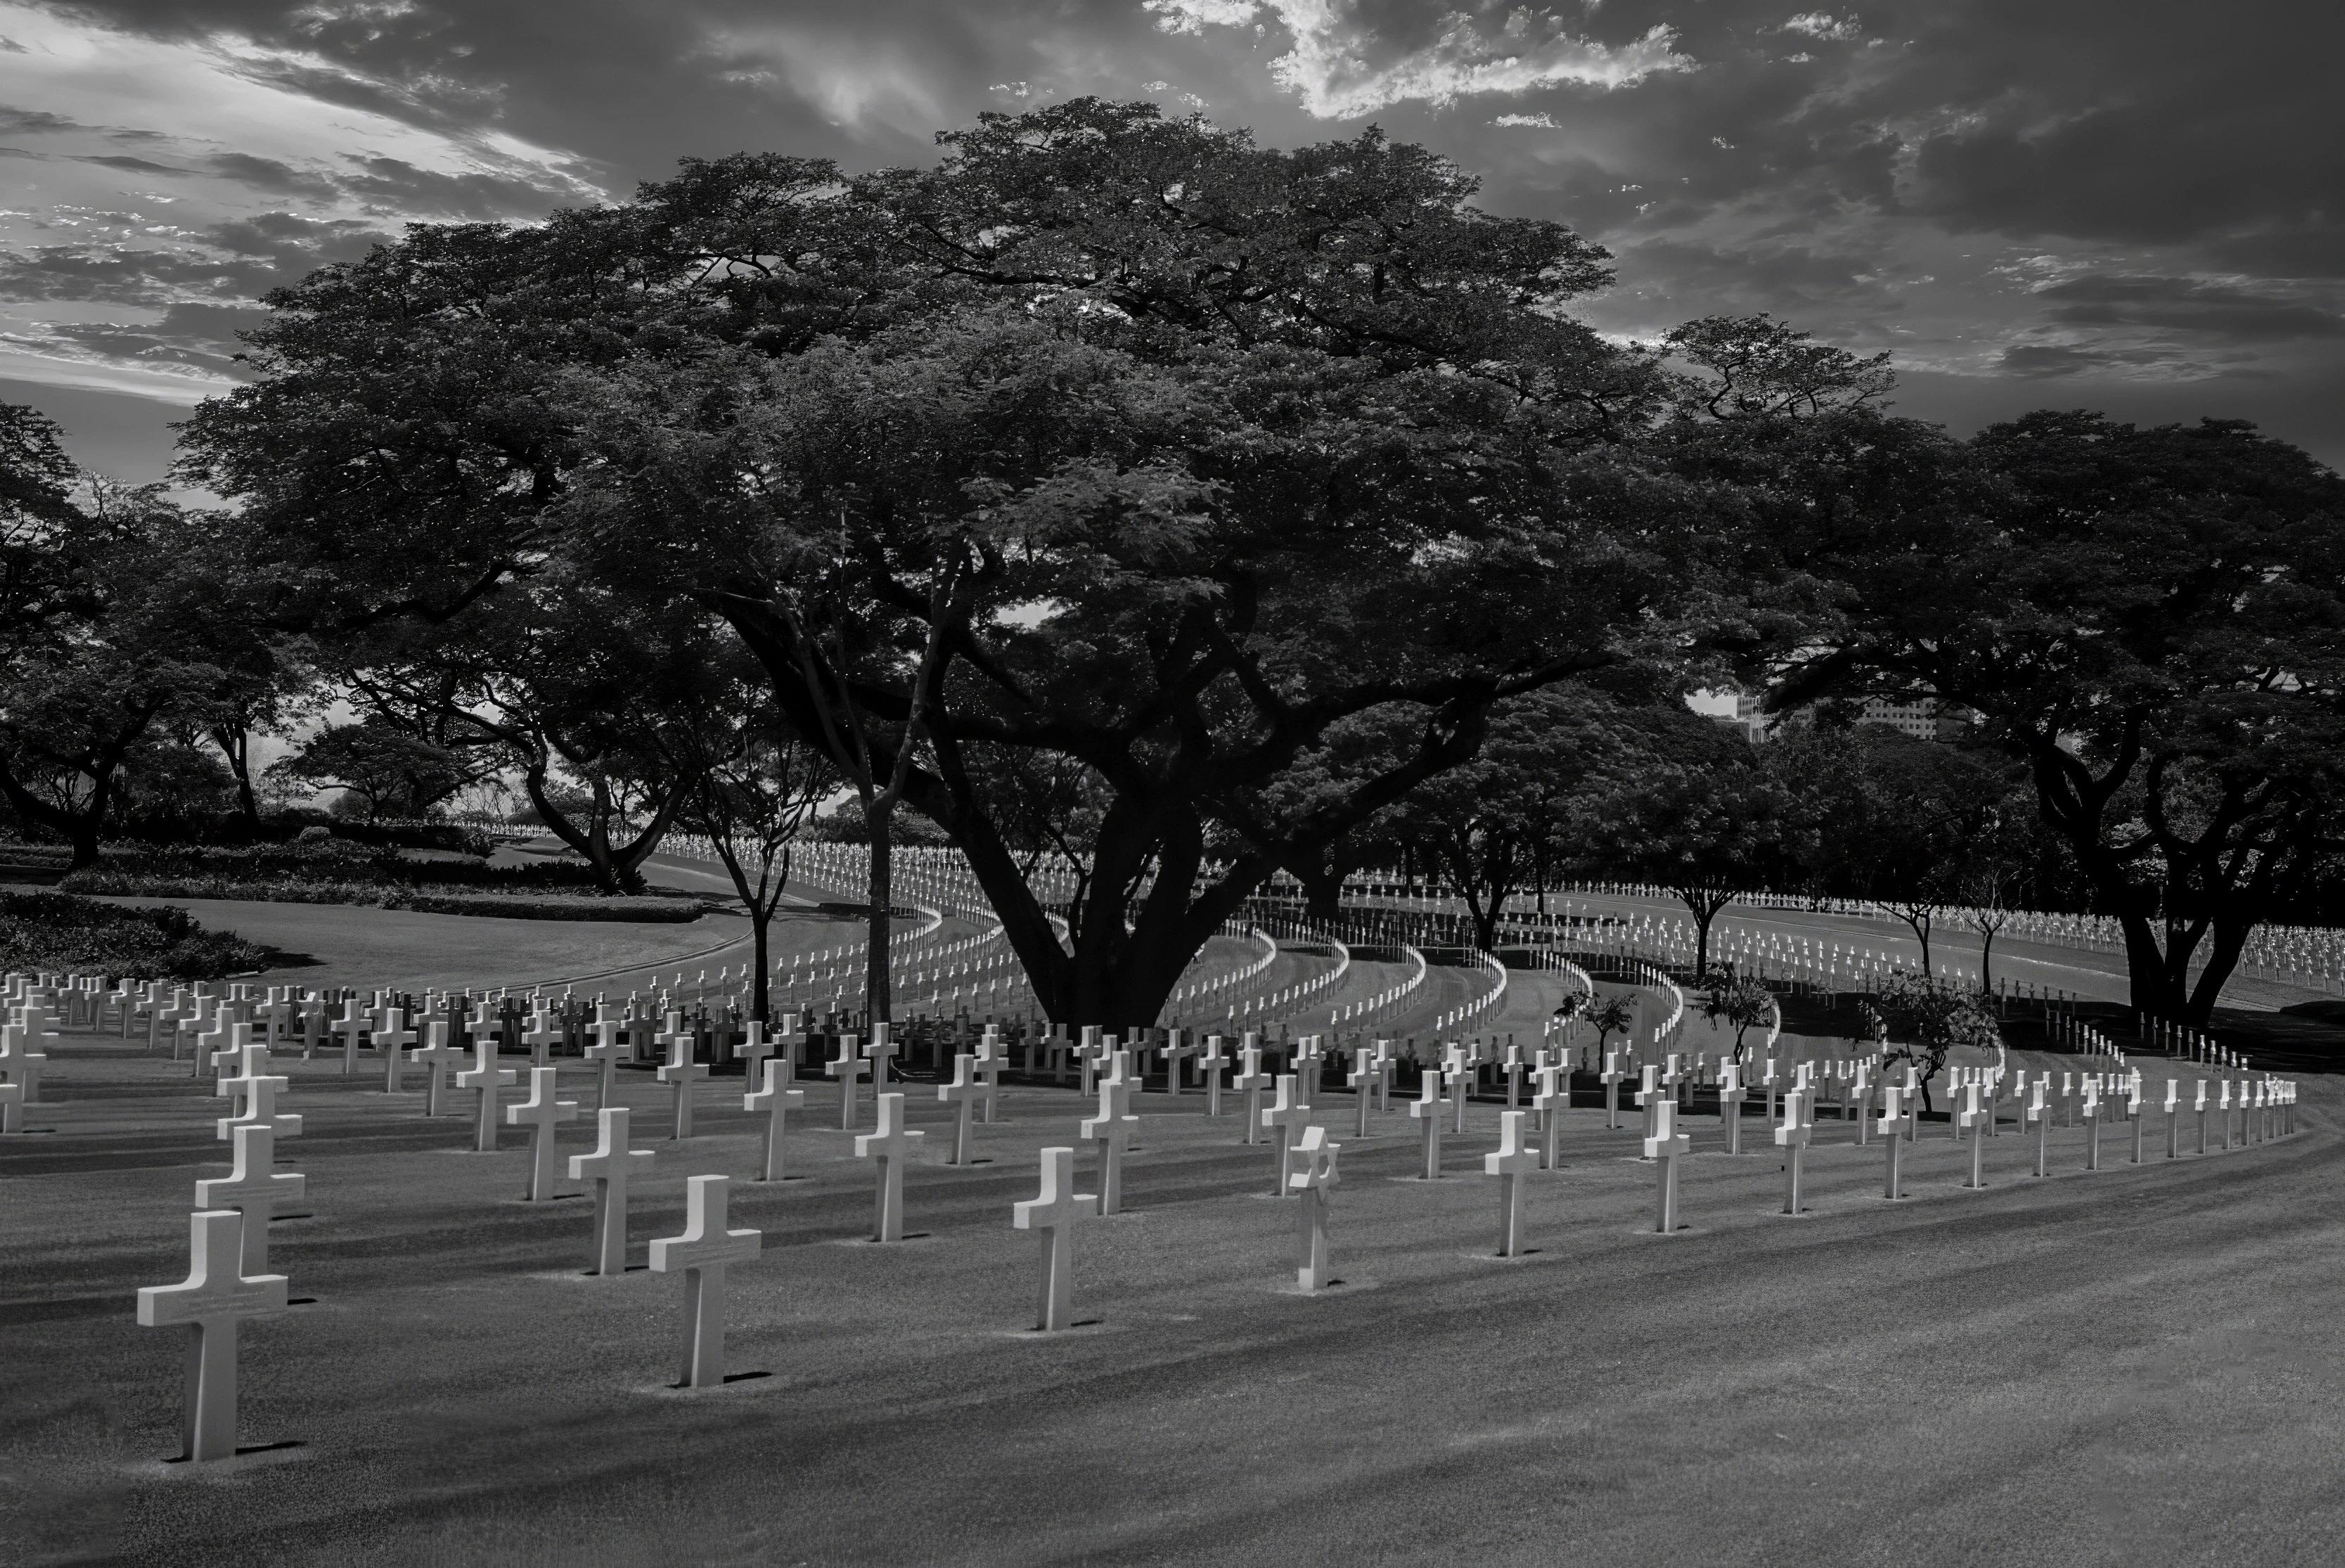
(2047,361)
(1342,64)
(32,122)
(269,175)
(1819,24)
(1543,122)
(2188,305)
(190,339)
(127,164)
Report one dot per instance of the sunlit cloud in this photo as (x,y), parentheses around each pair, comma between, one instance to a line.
(1335,63)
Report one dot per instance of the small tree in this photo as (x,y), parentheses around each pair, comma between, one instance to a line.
(751,802)
(1613,1015)
(1740,1002)
(1920,1021)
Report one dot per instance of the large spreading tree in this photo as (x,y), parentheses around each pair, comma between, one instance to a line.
(2152,620)
(1113,442)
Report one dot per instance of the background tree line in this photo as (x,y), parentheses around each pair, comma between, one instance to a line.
(1120,488)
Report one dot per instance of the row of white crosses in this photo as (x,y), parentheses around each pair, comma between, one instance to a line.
(216,1297)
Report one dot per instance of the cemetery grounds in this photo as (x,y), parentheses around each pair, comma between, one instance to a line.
(2142,1364)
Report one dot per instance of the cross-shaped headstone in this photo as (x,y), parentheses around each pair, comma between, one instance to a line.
(962,1093)
(680,1072)
(774,1097)
(439,1056)
(253,1189)
(391,1040)
(1177,1050)
(544,1032)
(1972,1119)
(1209,1066)
(350,1028)
(1312,1178)
(1730,1105)
(847,1066)
(752,1051)
(881,1048)
(210,1302)
(222,1044)
(1458,1076)
(1250,1081)
(608,1047)
(2091,1111)
(1613,1076)
(609,1168)
(258,1090)
(703,1253)
(1665,1149)
(1895,1117)
(1512,1165)
(1425,1111)
(1551,1097)
(1362,1081)
(1284,1121)
(1797,1128)
(541,1113)
(1053,1214)
(891,1145)
(485,1076)
(1111,1132)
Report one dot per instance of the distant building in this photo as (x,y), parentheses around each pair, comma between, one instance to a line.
(1922,717)
(1918,717)
(1747,718)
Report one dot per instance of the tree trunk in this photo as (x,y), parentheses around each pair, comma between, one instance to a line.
(761,918)
(236,745)
(1323,893)
(879,998)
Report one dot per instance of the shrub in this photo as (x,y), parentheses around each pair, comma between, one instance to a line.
(60,931)
(157,871)
(546,906)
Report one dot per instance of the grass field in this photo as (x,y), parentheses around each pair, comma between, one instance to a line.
(2141,1365)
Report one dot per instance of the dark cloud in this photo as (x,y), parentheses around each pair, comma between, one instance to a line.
(290,239)
(387,186)
(16,121)
(226,266)
(127,164)
(199,336)
(266,174)
(124,276)
(2188,305)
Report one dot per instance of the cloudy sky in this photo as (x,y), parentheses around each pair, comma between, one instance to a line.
(2134,207)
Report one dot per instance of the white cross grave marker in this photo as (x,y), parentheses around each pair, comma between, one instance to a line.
(254,1190)
(962,1093)
(215,1296)
(541,1113)
(609,1168)
(703,1252)
(1512,1165)
(1312,1179)
(776,1099)
(891,1145)
(1053,1214)
(680,1072)
(1425,1111)
(1665,1149)
(487,1077)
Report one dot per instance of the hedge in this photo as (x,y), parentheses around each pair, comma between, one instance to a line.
(426,900)
(327,861)
(58,932)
